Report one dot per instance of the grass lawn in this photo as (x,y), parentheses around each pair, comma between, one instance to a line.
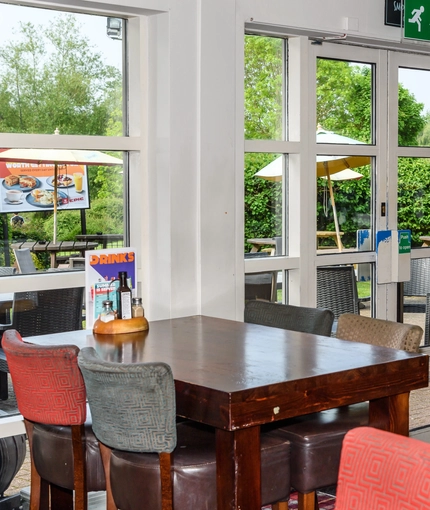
(363,289)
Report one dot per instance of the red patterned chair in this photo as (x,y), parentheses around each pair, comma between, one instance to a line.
(51,396)
(379,469)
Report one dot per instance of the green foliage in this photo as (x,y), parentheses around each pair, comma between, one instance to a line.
(414,197)
(343,98)
(424,136)
(262,200)
(263,87)
(52,78)
(106,215)
(411,121)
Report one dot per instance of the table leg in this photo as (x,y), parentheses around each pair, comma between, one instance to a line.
(238,469)
(390,413)
(53,259)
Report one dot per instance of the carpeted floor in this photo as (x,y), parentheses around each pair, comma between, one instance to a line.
(325,501)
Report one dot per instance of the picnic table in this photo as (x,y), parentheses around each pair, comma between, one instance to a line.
(425,240)
(54,248)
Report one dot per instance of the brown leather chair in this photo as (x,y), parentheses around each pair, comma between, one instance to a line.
(144,425)
(316,439)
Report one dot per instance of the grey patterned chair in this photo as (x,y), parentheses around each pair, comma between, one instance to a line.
(294,318)
(316,439)
(143,423)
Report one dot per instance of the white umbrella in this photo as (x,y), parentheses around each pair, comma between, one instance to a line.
(328,167)
(58,157)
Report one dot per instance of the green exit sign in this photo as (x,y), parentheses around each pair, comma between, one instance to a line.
(417,19)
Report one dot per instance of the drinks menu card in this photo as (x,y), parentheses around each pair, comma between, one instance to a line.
(101,277)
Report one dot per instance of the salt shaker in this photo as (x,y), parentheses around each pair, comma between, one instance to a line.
(107,313)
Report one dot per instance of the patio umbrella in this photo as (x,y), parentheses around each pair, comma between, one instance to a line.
(58,157)
(331,168)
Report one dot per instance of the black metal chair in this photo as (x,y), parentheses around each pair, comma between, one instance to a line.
(295,318)
(260,285)
(419,286)
(337,291)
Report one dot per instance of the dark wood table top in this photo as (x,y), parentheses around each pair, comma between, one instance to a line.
(236,376)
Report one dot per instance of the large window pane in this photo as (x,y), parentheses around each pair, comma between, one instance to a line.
(344,219)
(264,87)
(90,201)
(263,203)
(59,71)
(414,198)
(344,98)
(414,107)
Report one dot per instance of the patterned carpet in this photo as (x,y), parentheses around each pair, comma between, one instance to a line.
(325,501)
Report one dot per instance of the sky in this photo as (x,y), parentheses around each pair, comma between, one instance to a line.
(93,27)
(418,82)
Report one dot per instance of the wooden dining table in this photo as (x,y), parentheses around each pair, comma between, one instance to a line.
(236,377)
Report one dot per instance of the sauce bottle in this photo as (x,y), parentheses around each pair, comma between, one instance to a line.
(124,297)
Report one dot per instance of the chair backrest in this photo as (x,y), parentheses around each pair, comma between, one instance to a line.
(294,318)
(48,384)
(419,284)
(7,271)
(379,469)
(379,332)
(260,285)
(337,290)
(48,311)
(24,260)
(142,396)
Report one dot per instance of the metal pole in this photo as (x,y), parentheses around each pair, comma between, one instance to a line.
(6,240)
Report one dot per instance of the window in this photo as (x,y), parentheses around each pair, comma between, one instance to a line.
(61,74)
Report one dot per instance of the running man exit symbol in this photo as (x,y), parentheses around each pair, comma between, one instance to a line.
(417,19)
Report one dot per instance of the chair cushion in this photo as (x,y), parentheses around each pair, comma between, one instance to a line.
(316,443)
(53,456)
(194,471)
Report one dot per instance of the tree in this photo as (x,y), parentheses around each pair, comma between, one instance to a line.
(52,78)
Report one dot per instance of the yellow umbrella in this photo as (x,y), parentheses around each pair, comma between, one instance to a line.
(328,167)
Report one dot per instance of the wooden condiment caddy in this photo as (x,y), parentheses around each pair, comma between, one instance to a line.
(120,326)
